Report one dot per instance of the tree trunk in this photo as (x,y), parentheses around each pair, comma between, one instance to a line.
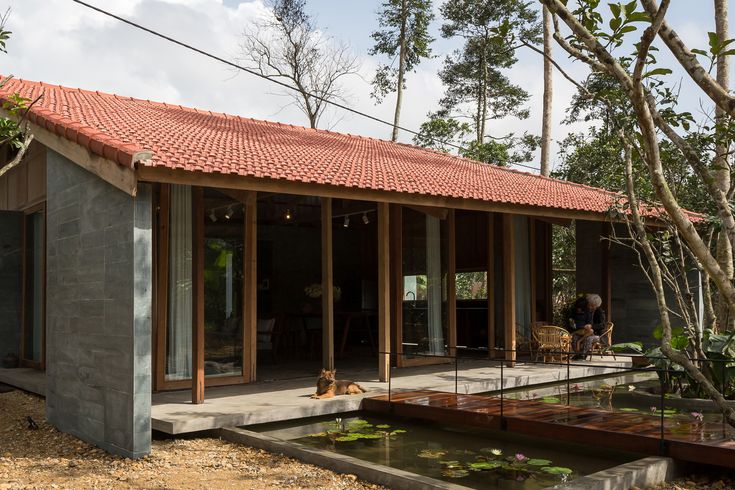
(548,95)
(721,162)
(401,71)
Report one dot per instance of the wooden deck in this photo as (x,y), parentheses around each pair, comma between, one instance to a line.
(700,442)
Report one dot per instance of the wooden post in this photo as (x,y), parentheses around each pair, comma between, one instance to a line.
(533,264)
(383,291)
(197,358)
(396,224)
(250,288)
(327,286)
(451,282)
(606,279)
(509,287)
(490,285)
(162,244)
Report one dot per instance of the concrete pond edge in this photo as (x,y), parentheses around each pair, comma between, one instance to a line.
(643,472)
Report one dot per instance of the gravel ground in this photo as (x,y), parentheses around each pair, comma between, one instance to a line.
(715,481)
(47,458)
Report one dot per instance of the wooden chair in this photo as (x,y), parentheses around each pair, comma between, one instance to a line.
(552,342)
(602,345)
(533,344)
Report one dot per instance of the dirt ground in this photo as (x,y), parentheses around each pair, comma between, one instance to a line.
(46,458)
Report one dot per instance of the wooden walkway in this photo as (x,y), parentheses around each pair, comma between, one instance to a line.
(700,442)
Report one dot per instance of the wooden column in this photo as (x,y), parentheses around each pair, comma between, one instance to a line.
(383,291)
(451,282)
(605,273)
(491,285)
(197,358)
(250,288)
(509,289)
(396,233)
(533,264)
(327,286)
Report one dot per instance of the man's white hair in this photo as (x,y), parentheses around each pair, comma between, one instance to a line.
(594,299)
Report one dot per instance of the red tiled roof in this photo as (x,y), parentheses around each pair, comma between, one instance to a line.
(118,128)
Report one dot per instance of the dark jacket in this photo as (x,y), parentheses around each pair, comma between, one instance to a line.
(582,316)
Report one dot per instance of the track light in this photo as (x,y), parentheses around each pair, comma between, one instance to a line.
(288,215)
(365,219)
(213,216)
(347,222)
(230,212)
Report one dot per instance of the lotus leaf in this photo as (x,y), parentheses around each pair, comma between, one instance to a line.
(431,453)
(538,462)
(485,465)
(557,470)
(455,473)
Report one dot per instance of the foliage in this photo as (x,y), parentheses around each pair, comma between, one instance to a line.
(516,467)
(564,282)
(404,24)
(355,430)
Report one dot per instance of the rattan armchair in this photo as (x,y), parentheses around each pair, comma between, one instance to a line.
(553,343)
(601,346)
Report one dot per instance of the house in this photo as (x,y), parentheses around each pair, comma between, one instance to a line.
(147,247)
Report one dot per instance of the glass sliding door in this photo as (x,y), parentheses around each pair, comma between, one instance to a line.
(223,285)
(424,329)
(179,312)
(33,294)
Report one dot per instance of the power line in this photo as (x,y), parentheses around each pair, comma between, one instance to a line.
(260,75)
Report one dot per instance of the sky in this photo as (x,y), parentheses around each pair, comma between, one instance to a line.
(61,42)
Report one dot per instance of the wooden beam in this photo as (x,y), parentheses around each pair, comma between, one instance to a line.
(124,178)
(383,291)
(509,288)
(439,213)
(491,284)
(250,288)
(197,358)
(327,286)
(451,282)
(282,186)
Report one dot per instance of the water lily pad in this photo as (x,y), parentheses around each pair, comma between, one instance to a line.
(397,431)
(557,470)
(431,453)
(485,465)
(550,399)
(538,462)
(455,473)
(629,410)
(382,426)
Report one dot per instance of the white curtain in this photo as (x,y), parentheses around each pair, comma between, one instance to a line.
(523,276)
(434,284)
(178,345)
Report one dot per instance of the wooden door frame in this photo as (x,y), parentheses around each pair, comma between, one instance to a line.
(161,242)
(397,242)
(41,365)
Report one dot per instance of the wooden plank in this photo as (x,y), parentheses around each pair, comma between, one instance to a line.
(197,358)
(282,186)
(327,286)
(162,262)
(383,291)
(452,282)
(491,285)
(250,288)
(124,178)
(509,288)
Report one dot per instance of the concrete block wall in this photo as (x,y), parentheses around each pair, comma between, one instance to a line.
(11,242)
(99,289)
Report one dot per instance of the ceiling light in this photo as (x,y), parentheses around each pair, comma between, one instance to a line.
(213,216)
(365,219)
(347,222)
(288,215)
(230,212)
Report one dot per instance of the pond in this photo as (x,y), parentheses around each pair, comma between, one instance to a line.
(481,459)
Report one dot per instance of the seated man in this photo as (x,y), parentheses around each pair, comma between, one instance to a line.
(589,321)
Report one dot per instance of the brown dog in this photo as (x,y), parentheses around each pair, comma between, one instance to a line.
(327,386)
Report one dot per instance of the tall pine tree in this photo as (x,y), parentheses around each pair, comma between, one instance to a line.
(404,38)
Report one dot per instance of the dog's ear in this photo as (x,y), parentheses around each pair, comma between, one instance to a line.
(334,372)
(321,373)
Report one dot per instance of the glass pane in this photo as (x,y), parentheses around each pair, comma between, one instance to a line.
(34,288)
(424,279)
(178,329)
(471,285)
(223,284)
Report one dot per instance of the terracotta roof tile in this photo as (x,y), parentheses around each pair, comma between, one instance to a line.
(118,128)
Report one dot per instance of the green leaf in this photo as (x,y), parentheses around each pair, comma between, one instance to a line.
(485,465)
(615,9)
(656,71)
(680,342)
(557,470)
(700,52)
(538,462)
(639,17)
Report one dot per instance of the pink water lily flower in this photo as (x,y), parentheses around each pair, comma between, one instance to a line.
(698,416)
(520,457)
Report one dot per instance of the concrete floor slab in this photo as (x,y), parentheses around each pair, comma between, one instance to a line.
(31,380)
(278,400)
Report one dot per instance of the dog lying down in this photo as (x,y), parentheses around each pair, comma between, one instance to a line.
(327,386)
